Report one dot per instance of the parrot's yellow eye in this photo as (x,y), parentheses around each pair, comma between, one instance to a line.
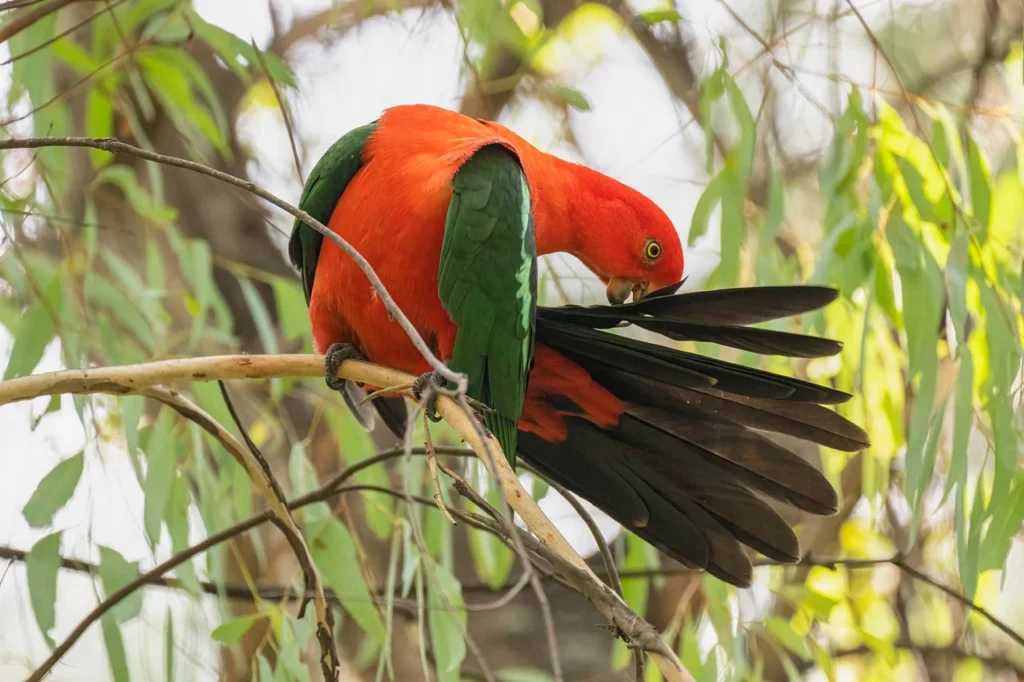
(652,249)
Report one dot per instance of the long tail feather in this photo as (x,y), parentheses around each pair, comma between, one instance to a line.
(687,466)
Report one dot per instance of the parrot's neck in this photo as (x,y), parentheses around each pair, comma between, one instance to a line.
(561,215)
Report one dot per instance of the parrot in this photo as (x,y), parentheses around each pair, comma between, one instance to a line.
(452,213)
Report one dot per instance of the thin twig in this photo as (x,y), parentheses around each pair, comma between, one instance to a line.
(529,574)
(115,146)
(330,661)
(432,464)
(985,613)
(284,110)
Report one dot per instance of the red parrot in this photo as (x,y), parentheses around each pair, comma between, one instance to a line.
(452,212)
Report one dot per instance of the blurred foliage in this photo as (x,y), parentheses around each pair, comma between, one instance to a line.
(920,230)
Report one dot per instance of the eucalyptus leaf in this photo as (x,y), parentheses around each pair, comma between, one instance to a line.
(42,563)
(54,491)
(114,643)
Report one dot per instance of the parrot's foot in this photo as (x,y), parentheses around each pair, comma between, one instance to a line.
(421,385)
(337,354)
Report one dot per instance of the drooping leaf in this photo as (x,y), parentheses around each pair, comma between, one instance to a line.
(35,331)
(115,572)
(709,198)
(447,618)
(981,186)
(335,553)
(231,631)
(237,53)
(144,203)
(169,647)
(42,565)
(54,491)
(573,97)
(159,474)
(782,630)
(114,643)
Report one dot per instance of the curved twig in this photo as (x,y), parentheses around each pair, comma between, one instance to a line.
(114,146)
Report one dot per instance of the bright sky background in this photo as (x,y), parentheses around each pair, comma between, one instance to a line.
(632,133)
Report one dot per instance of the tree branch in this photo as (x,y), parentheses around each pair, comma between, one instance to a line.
(29,17)
(551,544)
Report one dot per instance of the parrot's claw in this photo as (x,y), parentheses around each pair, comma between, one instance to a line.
(337,354)
(420,385)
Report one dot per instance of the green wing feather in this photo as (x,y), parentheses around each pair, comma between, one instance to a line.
(487,281)
(323,189)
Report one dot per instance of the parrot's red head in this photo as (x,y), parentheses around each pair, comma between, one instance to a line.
(618,233)
(623,237)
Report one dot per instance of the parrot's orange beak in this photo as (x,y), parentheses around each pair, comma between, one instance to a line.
(619,289)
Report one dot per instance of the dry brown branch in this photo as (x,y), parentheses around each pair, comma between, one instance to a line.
(550,543)
(31,16)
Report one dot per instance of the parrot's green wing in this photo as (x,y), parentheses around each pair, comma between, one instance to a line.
(487,281)
(323,189)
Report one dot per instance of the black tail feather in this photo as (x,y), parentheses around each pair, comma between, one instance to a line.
(687,466)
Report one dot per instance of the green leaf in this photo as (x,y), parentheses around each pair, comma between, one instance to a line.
(940,213)
(169,647)
(292,314)
(335,553)
(733,229)
(657,16)
(969,549)
(709,198)
(35,331)
(882,648)
(1004,526)
(572,97)
(54,491)
(447,617)
(99,122)
(34,74)
(922,292)
(74,55)
(231,631)
(42,564)
(981,186)
(237,53)
(138,198)
(744,149)
(172,86)
(1004,360)
(115,647)
(131,414)
(266,674)
(176,517)
(160,466)
(782,630)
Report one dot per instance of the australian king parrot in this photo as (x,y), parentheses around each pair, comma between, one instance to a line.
(452,213)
